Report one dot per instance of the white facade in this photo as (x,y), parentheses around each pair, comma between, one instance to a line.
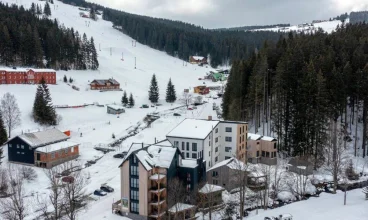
(219,144)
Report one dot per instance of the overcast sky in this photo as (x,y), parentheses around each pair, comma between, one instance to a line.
(232,13)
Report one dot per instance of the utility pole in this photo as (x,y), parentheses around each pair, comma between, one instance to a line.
(135,62)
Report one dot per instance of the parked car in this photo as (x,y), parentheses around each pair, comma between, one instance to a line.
(119,155)
(106,188)
(158,104)
(190,108)
(99,192)
(177,114)
(145,106)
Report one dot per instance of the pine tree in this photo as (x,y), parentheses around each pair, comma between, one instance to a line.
(38,10)
(70,80)
(39,105)
(94,60)
(153,94)
(33,8)
(43,109)
(86,53)
(124,99)
(47,10)
(92,14)
(131,100)
(3,133)
(170,92)
(65,79)
(52,1)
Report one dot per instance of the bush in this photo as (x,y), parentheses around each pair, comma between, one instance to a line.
(350,172)
(28,173)
(3,181)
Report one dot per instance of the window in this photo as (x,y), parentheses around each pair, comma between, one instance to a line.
(187,155)
(216,131)
(182,146)
(134,195)
(227,149)
(52,155)
(194,155)
(216,159)
(134,183)
(176,143)
(209,153)
(22,146)
(209,143)
(228,129)
(267,154)
(134,170)
(214,173)
(209,163)
(215,182)
(216,140)
(240,130)
(72,149)
(243,137)
(17,145)
(257,142)
(226,158)
(274,145)
(10,145)
(216,149)
(228,139)
(134,159)
(183,155)
(22,152)
(240,140)
(263,153)
(134,207)
(187,146)
(194,146)
(243,129)
(257,153)
(18,152)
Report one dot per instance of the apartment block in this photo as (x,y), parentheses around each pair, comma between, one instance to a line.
(261,149)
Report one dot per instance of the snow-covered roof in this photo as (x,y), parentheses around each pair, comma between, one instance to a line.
(209,188)
(232,163)
(42,138)
(105,81)
(156,155)
(266,138)
(189,163)
(178,207)
(254,137)
(57,146)
(193,128)
(157,176)
(220,164)
(116,107)
(27,69)
(43,70)
(198,57)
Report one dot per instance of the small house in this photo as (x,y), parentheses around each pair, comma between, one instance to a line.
(44,148)
(105,84)
(182,211)
(115,109)
(210,195)
(197,60)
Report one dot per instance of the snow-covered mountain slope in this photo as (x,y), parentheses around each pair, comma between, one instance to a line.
(327,26)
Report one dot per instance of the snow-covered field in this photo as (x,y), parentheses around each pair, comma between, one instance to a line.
(97,126)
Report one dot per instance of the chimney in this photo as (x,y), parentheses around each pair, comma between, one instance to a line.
(209,118)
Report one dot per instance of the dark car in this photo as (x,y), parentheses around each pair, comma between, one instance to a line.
(99,192)
(125,153)
(107,188)
(119,155)
(177,114)
(145,106)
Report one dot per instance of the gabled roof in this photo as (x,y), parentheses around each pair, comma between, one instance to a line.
(209,188)
(116,107)
(232,163)
(198,57)
(105,81)
(193,129)
(57,146)
(257,137)
(42,138)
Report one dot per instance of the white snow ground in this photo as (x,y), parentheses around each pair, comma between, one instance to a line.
(93,121)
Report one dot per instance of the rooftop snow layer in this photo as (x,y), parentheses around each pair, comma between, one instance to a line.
(43,137)
(116,107)
(232,163)
(193,128)
(189,163)
(208,188)
(198,57)
(157,155)
(57,146)
(254,137)
(178,207)
(266,138)
(220,164)
(27,69)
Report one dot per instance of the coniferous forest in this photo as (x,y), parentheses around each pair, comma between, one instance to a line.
(181,39)
(30,39)
(307,90)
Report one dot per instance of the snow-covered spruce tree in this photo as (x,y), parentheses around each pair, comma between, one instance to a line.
(153,94)
(94,60)
(38,10)
(170,92)
(70,80)
(124,99)
(43,110)
(131,100)
(3,136)
(47,10)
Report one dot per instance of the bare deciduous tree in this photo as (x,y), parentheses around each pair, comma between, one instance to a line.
(10,112)
(177,196)
(186,99)
(208,197)
(14,207)
(28,173)
(74,192)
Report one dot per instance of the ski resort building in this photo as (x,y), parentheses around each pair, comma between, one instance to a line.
(197,60)
(210,140)
(27,76)
(43,149)
(261,149)
(105,84)
(146,173)
(115,109)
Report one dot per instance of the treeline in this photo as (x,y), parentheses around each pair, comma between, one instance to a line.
(302,88)
(181,39)
(341,17)
(29,39)
(359,16)
(254,27)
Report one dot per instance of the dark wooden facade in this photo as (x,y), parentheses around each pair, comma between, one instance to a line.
(20,152)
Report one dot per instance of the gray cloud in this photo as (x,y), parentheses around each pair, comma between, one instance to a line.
(230,13)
